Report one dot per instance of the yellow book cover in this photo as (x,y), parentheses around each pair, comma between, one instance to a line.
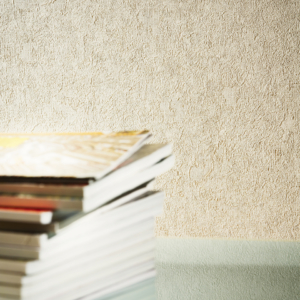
(75,155)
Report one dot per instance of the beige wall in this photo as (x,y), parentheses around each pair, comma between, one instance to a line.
(219,79)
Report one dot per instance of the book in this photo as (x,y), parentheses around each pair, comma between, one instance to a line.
(74,288)
(120,217)
(78,213)
(105,193)
(78,239)
(23,238)
(145,157)
(89,280)
(15,214)
(27,237)
(22,270)
(135,244)
(54,157)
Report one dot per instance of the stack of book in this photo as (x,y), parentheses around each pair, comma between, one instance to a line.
(77,213)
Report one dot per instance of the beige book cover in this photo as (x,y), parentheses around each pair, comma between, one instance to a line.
(75,155)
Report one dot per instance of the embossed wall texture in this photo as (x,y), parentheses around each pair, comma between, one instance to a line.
(219,79)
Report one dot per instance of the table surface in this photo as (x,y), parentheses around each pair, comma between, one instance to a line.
(208,269)
(144,290)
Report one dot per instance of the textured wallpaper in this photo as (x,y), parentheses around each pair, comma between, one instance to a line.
(218,79)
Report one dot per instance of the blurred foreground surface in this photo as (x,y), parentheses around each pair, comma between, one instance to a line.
(206,269)
(141,291)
